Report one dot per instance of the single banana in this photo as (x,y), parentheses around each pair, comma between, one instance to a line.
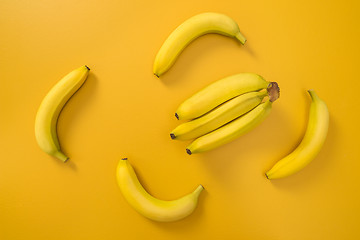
(50,108)
(231,131)
(216,118)
(218,93)
(189,30)
(311,144)
(147,205)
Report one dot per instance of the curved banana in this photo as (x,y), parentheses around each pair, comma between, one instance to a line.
(232,130)
(189,30)
(147,205)
(49,110)
(311,144)
(219,116)
(219,92)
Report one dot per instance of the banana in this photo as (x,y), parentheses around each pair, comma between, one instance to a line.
(219,116)
(311,143)
(50,108)
(147,205)
(219,92)
(232,130)
(189,30)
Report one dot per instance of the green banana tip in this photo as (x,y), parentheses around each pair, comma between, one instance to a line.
(241,38)
(60,155)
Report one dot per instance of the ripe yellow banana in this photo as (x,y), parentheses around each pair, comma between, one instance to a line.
(232,130)
(216,118)
(147,205)
(218,93)
(49,110)
(189,30)
(311,144)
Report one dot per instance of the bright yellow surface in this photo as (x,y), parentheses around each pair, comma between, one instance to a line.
(125,111)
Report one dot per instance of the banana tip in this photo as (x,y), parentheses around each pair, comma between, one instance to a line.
(177,116)
(267,176)
(157,75)
(124,159)
(87,67)
(312,94)
(172,136)
(241,38)
(188,151)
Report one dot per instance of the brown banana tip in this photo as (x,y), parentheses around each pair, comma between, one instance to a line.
(177,116)
(266,176)
(156,75)
(273,91)
(124,159)
(188,151)
(172,136)
(87,67)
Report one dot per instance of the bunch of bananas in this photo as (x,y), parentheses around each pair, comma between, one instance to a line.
(221,112)
(224,110)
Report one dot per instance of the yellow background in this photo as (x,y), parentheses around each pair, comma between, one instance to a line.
(124,111)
